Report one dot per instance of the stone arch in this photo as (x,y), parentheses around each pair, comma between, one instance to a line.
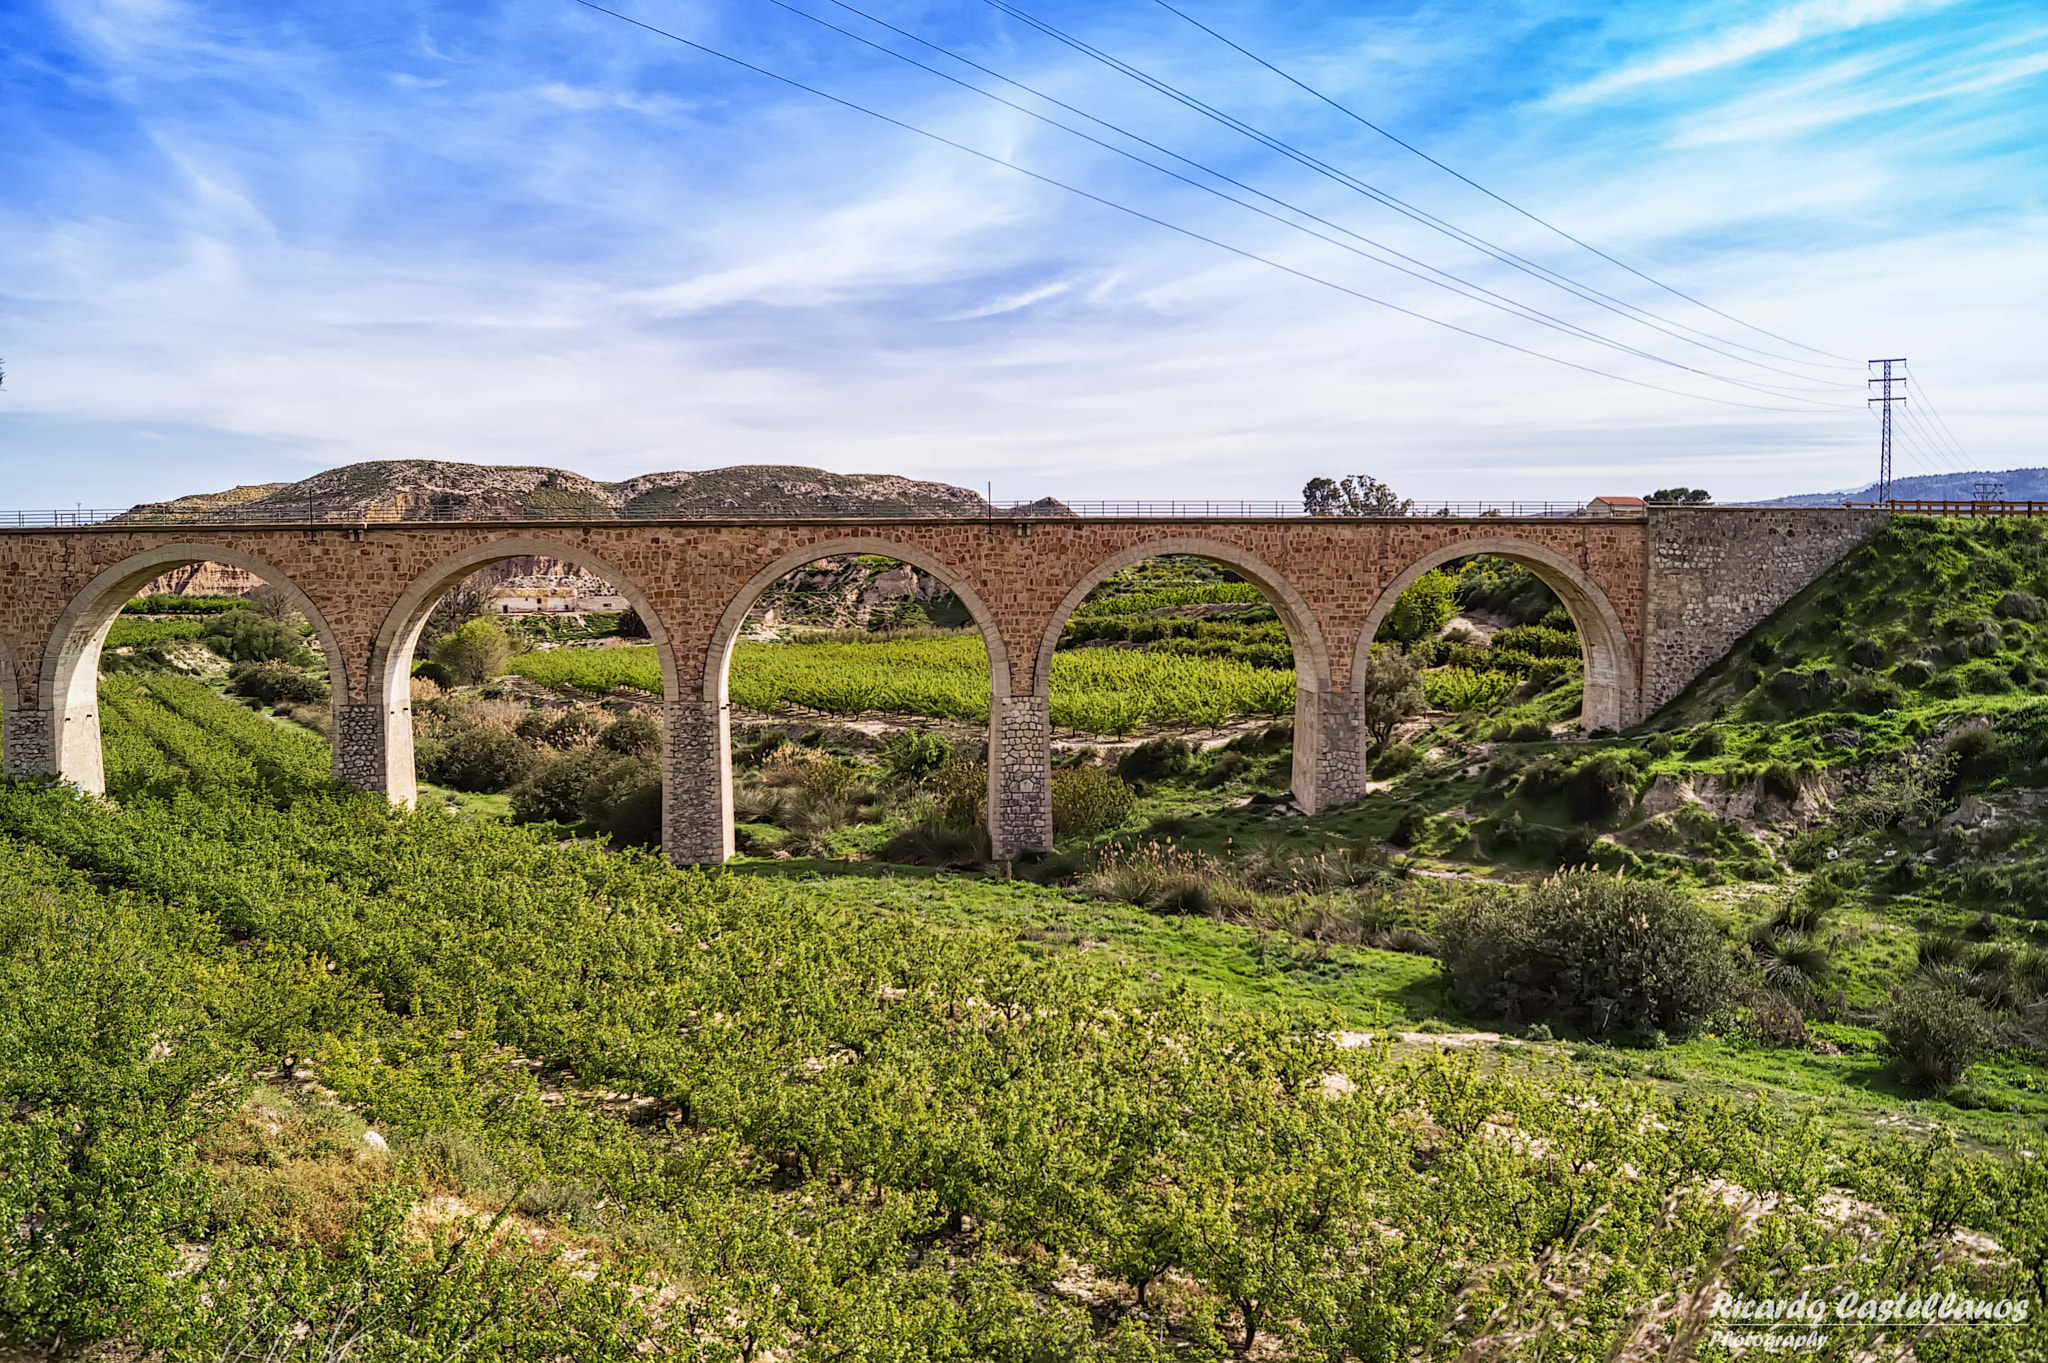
(68,688)
(389,684)
(1303,631)
(718,660)
(713,830)
(1609,700)
(1317,731)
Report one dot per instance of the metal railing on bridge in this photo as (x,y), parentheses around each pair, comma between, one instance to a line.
(1988,507)
(295,513)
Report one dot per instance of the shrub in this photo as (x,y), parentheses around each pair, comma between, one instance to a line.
(575,729)
(1088,800)
(622,799)
(1409,827)
(1420,611)
(474,653)
(1934,1035)
(1599,788)
(1395,760)
(633,734)
(933,842)
(959,790)
(555,790)
(1390,687)
(1537,642)
(1223,768)
(432,671)
(2020,606)
(274,683)
(1707,742)
(630,625)
(1875,695)
(1979,752)
(1913,672)
(1611,955)
(1155,758)
(1560,619)
(914,754)
(246,637)
(475,758)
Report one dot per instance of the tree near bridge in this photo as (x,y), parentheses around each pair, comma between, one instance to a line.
(1684,496)
(1357,495)
(1390,687)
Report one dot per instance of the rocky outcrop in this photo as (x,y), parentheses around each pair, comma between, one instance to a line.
(402,489)
(204,579)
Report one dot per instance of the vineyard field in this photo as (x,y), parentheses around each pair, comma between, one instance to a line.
(852,1132)
(1105,691)
(162,734)
(131,633)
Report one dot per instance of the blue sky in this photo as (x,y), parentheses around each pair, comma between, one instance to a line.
(245,242)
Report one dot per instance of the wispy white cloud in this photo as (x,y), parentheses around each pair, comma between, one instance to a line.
(1013,302)
(1794,23)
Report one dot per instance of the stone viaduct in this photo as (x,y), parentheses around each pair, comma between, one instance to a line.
(1658,593)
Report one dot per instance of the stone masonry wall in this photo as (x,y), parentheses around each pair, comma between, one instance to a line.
(1020,776)
(1716,573)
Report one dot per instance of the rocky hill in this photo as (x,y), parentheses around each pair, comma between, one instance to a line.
(2021,485)
(401,488)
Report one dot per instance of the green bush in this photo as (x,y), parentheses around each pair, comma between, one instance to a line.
(428,670)
(2020,606)
(1707,742)
(555,789)
(1537,641)
(622,799)
(633,734)
(1399,758)
(1593,790)
(474,653)
(1155,759)
(475,758)
(274,683)
(1934,1035)
(246,637)
(914,754)
(1088,800)
(1612,956)
(1421,610)
(576,728)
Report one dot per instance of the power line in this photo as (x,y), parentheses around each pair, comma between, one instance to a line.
(1501,254)
(1936,414)
(1925,433)
(1543,222)
(1459,285)
(1190,233)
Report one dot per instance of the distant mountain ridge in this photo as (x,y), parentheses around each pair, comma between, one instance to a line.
(402,488)
(2021,485)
